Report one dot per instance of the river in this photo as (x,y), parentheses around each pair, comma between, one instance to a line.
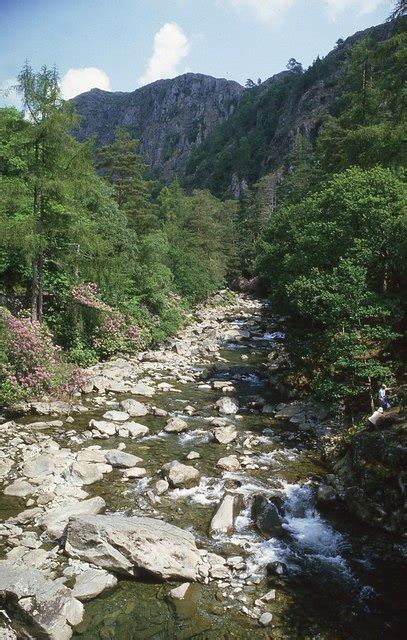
(334,579)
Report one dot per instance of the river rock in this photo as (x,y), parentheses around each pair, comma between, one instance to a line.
(225,435)
(179,593)
(134,472)
(227,406)
(57,518)
(91,455)
(134,408)
(265,619)
(42,606)
(229,463)
(134,546)
(55,406)
(80,473)
(161,486)
(20,488)
(193,455)
(266,517)
(104,427)
(47,464)
(116,416)
(121,459)
(181,475)
(176,425)
(326,496)
(92,582)
(136,430)
(141,389)
(224,518)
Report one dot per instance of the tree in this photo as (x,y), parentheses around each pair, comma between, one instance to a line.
(335,262)
(52,158)
(250,84)
(120,164)
(294,66)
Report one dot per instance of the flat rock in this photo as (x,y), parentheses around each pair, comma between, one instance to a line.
(179,593)
(134,472)
(181,475)
(20,488)
(121,459)
(134,546)
(91,583)
(57,518)
(134,408)
(116,416)
(46,607)
(82,473)
(47,464)
(107,428)
(141,389)
(91,455)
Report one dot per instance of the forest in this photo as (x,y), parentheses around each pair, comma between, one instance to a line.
(96,258)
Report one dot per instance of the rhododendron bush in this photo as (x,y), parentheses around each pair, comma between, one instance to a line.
(30,364)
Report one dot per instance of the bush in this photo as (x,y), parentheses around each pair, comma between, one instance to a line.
(30,364)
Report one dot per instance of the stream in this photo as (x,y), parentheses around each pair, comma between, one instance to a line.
(334,579)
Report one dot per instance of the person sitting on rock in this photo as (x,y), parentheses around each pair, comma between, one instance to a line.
(384,400)
(374,420)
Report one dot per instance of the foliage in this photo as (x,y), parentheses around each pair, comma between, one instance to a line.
(31,365)
(336,264)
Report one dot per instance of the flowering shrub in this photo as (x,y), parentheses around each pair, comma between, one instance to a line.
(86,294)
(31,365)
(115,334)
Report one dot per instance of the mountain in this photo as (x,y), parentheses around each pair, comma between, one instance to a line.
(214,133)
(257,137)
(170,117)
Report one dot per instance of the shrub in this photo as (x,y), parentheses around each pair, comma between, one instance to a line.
(30,364)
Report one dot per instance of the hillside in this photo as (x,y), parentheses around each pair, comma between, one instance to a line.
(212,132)
(170,117)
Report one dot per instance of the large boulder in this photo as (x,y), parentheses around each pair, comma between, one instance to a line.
(141,389)
(81,473)
(181,475)
(20,488)
(266,515)
(47,464)
(57,518)
(106,428)
(229,463)
(227,405)
(134,408)
(44,609)
(134,546)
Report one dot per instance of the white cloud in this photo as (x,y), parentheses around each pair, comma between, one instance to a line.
(360,7)
(171,45)
(267,11)
(8,94)
(77,81)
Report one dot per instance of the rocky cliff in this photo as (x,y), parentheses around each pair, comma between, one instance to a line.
(170,117)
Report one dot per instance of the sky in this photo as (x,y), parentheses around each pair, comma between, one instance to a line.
(120,45)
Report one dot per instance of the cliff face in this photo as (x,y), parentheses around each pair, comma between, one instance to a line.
(170,117)
(214,133)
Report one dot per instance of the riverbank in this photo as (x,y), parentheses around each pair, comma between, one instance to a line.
(192,437)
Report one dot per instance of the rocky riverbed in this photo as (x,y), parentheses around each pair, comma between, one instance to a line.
(179,497)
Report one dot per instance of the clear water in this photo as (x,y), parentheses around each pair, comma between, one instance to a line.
(342,581)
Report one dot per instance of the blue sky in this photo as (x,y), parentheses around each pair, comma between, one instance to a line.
(122,44)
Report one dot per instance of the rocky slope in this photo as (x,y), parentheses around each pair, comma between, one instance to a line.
(170,117)
(212,132)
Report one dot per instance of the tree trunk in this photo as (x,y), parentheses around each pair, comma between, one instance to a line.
(37,292)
